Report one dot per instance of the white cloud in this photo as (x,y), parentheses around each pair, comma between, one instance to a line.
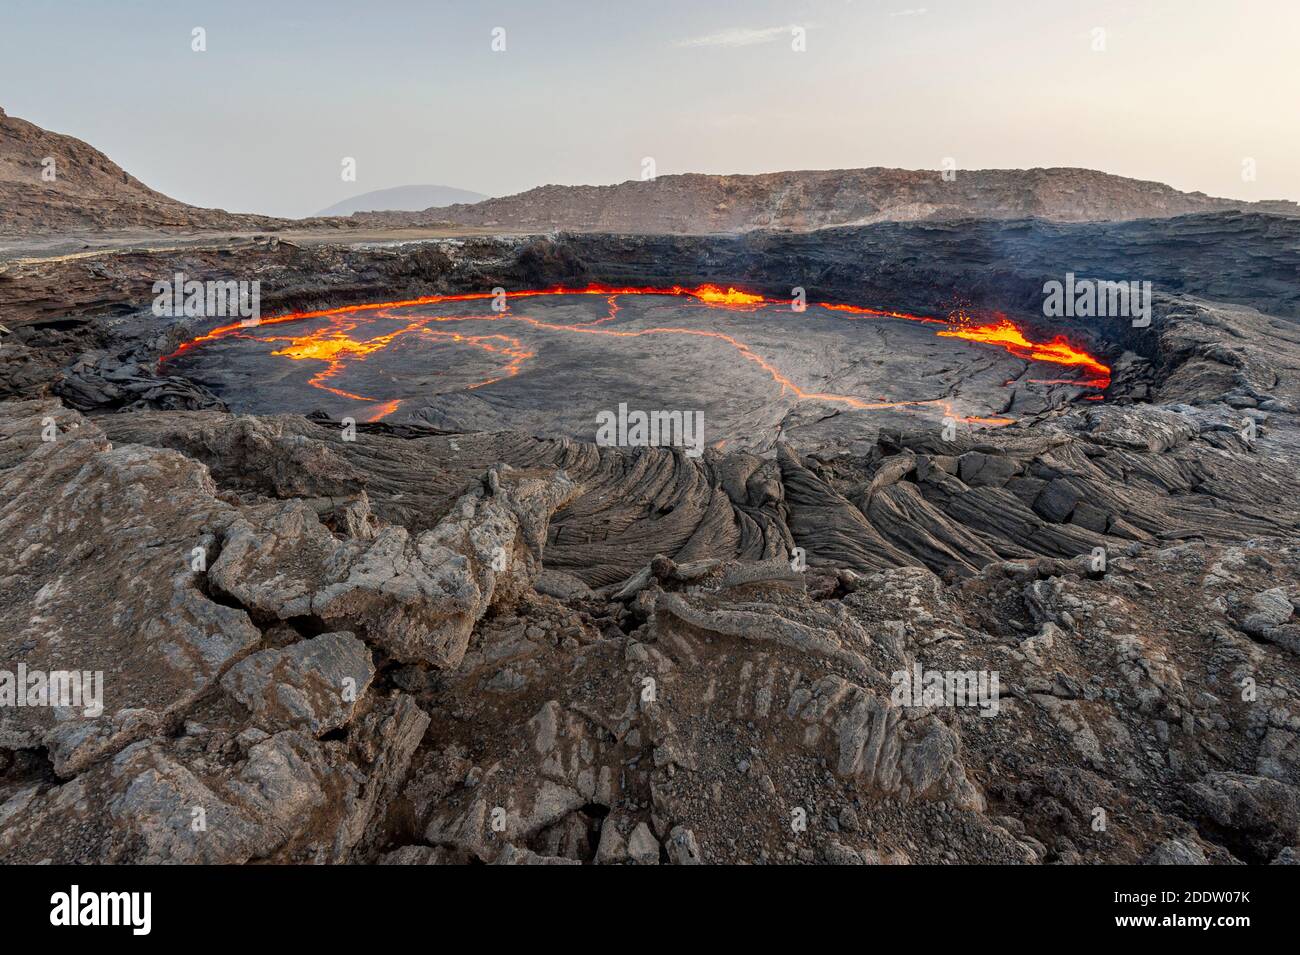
(739,36)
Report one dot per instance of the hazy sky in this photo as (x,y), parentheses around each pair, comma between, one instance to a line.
(1183,92)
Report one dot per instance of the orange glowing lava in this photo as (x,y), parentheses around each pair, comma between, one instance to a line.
(338,343)
(1058,351)
(716,295)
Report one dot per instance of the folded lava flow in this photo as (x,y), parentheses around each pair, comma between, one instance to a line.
(875,494)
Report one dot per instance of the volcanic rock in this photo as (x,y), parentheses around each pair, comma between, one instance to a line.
(88,190)
(314,684)
(817,199)
(421,647)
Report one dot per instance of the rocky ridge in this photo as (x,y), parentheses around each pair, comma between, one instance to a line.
(90,194)
(806,200)
(50,182)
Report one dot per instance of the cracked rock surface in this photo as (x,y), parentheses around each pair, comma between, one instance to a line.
(421,648)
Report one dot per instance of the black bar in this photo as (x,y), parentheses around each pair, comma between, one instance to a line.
(334,904)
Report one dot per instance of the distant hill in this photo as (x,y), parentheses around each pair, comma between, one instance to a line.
(89,192)
(695,203)
(403,199)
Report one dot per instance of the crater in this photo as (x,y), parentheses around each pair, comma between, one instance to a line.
(550,361)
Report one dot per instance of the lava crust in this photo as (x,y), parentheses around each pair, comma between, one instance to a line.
(563,652)
(737,357)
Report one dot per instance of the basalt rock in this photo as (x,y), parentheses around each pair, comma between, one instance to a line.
(407,646)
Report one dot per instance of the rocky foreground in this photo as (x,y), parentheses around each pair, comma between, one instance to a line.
(417,647)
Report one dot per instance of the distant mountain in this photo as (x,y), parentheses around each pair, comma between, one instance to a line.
(403,199)
(88,192)
(91,193)
(695,203)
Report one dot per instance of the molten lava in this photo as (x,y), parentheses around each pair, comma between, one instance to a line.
(338,343)
(715,295)
(1058,351)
